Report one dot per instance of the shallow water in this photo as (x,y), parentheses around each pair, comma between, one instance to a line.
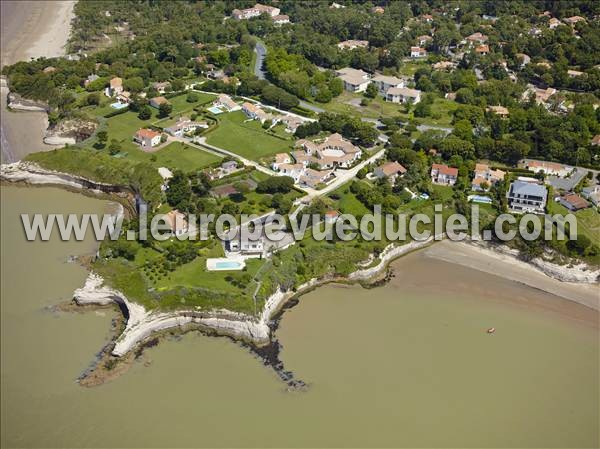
(406,364)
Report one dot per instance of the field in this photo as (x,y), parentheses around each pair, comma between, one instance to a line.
(246,138)
(176,155)
(349,103)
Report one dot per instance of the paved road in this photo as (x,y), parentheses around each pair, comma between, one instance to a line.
(261,52)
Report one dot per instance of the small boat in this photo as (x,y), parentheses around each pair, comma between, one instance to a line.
(491,330)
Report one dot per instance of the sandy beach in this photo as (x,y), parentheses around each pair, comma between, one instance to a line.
(30,29)
(507,267)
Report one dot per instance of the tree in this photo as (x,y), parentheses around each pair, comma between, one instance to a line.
(165,109)
(145,113)
(102,137)
(371,91)
(179,191)
(276,184)
(93,99)
(114,147)
(192,97)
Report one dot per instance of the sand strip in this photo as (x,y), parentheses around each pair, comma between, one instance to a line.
(511,268)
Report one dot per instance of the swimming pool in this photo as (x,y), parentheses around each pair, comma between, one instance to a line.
(118,105)
(223,264)
(215,110)
(480,199)
(228,265)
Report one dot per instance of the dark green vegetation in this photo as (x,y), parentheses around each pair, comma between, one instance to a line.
(180,44)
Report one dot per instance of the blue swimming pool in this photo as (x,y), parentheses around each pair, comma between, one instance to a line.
(480,199)
(118,105)
(215,110)
(228,265)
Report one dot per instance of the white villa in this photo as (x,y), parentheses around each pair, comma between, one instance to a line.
(354,80)
(444,175)
(352,44)
(185,125)
(418,52)
(483,174)
(255,11)
(384,82)
(226,102)
(334,151)
(147,138)
(403,95)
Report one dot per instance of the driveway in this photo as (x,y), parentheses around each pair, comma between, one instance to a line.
(261,52)
(569,183)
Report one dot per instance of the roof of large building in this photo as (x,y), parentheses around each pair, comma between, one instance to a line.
(404,91)
(575,201)
(146,133)
(391,168)
(387,79)
(528,188)
(353,76)
(445,170)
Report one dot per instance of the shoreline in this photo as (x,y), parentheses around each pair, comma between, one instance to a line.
(257,333)
(33,29)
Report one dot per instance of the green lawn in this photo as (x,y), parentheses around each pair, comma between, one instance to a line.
(246,138)
(175,155)
(349,103)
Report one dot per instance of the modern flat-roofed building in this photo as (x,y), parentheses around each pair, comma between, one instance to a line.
(527,197)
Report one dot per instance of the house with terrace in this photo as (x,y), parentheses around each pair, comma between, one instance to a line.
(354,80)
(390,171)
(115,87)
(443,175)
(384,82)
(280,159)
(312,178)
(549,168)
(418,52)
(224,101)
(255,11)
(255,112)
(352,44)
(147,138)
(403,95)
(527,197)
(183,126)
(484,177)
(334,151)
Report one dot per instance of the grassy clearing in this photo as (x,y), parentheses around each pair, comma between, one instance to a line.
(349,103)
(176,155)
(246,138)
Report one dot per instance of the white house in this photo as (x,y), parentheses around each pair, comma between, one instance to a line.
(115,87)
(147,138)
(185,125)
(384,82)
(354,80)
(418,52)
(281,159)
(255,11)
(226,102)
(403,95)
(444,175)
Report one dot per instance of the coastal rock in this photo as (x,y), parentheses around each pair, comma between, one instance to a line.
(18,103)
(70,132)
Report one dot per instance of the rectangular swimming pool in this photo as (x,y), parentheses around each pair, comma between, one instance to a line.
(228,265)
(224,264)
(215,110)
(118,105)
